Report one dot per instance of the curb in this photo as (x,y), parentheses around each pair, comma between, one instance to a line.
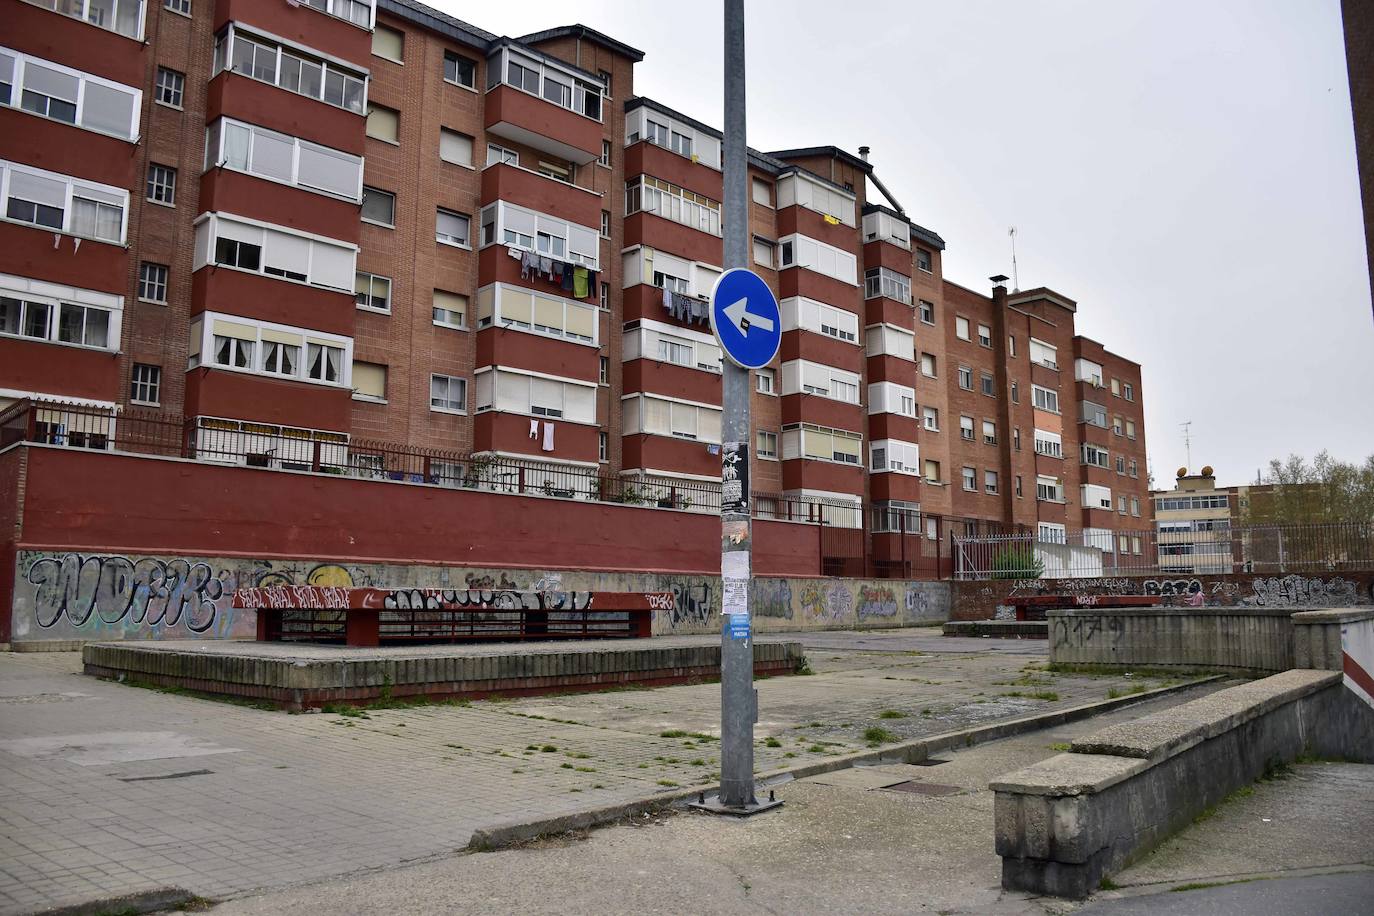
(157,900)
(500,836)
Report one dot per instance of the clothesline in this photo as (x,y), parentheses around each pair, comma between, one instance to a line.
(685,308)
(573,278)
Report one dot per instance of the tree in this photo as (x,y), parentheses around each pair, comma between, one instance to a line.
(1326,491)
(1017,563)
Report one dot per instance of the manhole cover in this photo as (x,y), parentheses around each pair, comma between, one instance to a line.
(923,788)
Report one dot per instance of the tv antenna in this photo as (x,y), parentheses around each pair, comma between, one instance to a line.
(1015,278)
(1188,441)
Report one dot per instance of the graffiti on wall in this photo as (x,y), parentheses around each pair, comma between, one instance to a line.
(691,605)
(876,601)
(116,592)
(926,601)
(1303,591)
(772,598)
(1075,632)
(829,602)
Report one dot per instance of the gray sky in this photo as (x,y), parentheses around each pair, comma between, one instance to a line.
(1184,170)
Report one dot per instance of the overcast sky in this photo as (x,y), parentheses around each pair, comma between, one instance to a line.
(1184,170)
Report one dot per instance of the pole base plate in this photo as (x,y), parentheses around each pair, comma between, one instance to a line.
(714,806)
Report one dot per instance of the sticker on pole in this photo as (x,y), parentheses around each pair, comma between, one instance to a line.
(745,318)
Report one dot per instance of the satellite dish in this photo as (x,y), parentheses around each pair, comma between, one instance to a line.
(1206,470)
(1182,472)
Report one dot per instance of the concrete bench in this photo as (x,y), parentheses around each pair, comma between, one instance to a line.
(1064,823)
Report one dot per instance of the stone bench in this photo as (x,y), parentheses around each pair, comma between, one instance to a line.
(1066,822)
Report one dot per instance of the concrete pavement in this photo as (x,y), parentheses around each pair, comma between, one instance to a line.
(110,789)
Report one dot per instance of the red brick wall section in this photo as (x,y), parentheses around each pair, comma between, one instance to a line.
(12,466)
(87,501)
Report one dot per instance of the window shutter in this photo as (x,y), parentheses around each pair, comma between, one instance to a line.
(455,147)
(369,379)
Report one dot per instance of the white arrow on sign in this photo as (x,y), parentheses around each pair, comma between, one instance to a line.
(743,319)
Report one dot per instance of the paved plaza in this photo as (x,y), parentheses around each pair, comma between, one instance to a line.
(111,789)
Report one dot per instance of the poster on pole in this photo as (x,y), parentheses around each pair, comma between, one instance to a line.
(734,478)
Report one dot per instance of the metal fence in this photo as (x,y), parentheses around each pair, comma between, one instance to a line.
(1221,548)
(852,539)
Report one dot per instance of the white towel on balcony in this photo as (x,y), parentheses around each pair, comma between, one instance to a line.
(534,429)
(548,436)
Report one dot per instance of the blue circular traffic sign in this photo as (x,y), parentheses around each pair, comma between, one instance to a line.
(745,318)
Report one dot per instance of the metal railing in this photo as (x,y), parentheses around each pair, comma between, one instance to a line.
(1259,549)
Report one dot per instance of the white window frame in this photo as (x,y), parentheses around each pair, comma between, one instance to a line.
(795,438)
(544,225)
(817,195)
(884,227)
(891,397)
(679,410)
(165,283)
(930,418)
(72,189)
(802,314)
(17,80)
(490,313)
(449,380)
(648,194)
(882,282)
(1046,399)
(894,456)
(149,386)
(801,376)
(1050,444)
(647,339)
(234,32)
(204,331)
(216,157)
(53,296)
(581,87)
(83,14)
(333,8)
(1043,353)
(798,250)
(371,282)
(449,240)
(208,227)
(765,382)
(766,445)
(651,126)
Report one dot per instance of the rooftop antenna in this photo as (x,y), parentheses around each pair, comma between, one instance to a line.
(1188,441)
(1015,277)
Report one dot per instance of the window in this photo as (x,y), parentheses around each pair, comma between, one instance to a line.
(152,282)
(455,147)
(932,471)
(233,352)
(767,446)
(763,252)
(372,292)
(369,383)
(801,376)
(923,259)
(559,86)
(71,96)
(801,251)
(1016,438)
(762,192)
(280,358)
(763,380)
(1116,387)
(452,228)
(989,432)
(1097,497)
(670,201)
(1130,429)
(1135,506)
(894,456)
(604,301)
(890,397)
(448,394)
(145,384)
(388,43)
(605,224)
(816,194)
(603,446)
(990,482)
(879,281)
(450,310)
(88,327)
(1121,465)
(931,418)
(1045,398)
(966,378)
(122,16)
(280,157)
(985,336)
(605,157)
(1048,489)
(500,305)
(1128,391)
(323,363)
(987,384)
(655,415)
(1134,469)
(497,154)
(1045,354)
(1049,444)
(926,311)
(170,87)
(460,70)
(799,313)
(604,373)
(928,365)
(235,241)
(300,71)
(54,201)
(966,428)
(970,479)
(242,344)
(1015,393)
(820,443)
(162,185)
(1011,346)
(961,328)
(1120,504)
(880,225)
(379,207)
(517,227)
(384,124)
(1093,414)
(1135,544)
(1094,455)
(360,14)
(1051,533)
(1117,425)
(1019,493)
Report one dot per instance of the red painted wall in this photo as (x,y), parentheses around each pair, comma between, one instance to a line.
(528,189)
(119,503)
(524,110)
(59,369)
(11,491)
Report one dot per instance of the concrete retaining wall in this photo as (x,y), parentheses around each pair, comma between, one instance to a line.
(1252,640)
(63,599)
(1064,823)
(987,600)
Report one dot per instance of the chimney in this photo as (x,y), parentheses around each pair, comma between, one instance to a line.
(999,289)
(863,153)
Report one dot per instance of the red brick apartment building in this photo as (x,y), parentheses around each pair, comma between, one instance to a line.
(303,226)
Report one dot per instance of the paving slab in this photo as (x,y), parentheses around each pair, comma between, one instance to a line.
(271,799)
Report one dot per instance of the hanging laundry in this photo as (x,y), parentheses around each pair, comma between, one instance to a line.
(534,429)
(668,300)
(529,262)
(546,266)
(698,309)
(548,436)
(567,278)
(580,282)
(514,253)
(592,286)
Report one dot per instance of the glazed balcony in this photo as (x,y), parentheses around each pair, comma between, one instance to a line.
(542,125)
(517,185)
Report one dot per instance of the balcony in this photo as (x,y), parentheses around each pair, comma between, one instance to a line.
(66,148)
(517,185)
(669,455)
(534,122)
(246,99)
(57,369)
(509,433)
(223,393)
(660,377)
(272,202)
(66,39)
(266,298)
(547,355)
(822,411)
(302,24)
(29,251)
(829,476)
